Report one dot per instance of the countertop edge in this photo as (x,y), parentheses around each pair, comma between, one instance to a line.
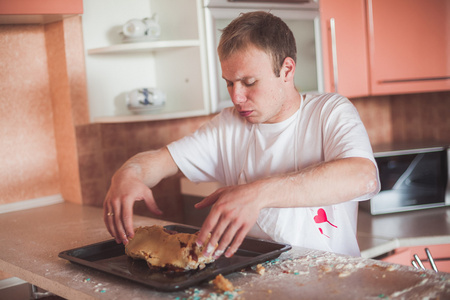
(404,242)
(43,282)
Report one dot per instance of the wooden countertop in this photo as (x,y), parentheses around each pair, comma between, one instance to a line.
(32,239)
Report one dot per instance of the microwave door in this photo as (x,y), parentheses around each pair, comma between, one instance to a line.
(411,181)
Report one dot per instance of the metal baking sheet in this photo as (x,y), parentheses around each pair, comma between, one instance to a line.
(110,257)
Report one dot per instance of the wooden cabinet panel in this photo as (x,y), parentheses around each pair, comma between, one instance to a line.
(37,7)
(409,45)
(345,47)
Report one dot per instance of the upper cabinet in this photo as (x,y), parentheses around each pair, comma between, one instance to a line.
(344,41)
(304,24)
(174,63)
(381,47)
(37,12)
(409,44)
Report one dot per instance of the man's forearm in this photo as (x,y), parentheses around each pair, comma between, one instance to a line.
(150,167)
(324,184)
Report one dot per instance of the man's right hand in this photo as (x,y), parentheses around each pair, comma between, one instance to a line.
(130,184)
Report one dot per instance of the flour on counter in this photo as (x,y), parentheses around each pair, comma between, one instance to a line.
(307,270)
(197,294)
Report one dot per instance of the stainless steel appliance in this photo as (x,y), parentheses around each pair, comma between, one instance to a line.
(301,16)
(414,176)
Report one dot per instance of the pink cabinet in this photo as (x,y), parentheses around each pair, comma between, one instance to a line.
(382,47)
(405,255)
(37,11)
(34,7)
(41,7)
(344,41)
(409,46)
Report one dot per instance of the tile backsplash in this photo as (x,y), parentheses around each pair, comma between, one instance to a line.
(406,117)
(103,148)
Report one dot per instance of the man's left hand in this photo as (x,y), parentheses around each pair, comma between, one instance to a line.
(233,213)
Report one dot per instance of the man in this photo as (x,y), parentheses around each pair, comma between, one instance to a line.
(293,165)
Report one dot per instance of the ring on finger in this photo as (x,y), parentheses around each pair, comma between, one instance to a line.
(110,214)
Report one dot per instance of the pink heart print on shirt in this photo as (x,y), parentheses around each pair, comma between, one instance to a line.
(321,217)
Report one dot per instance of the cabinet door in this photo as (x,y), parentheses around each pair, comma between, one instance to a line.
(38,7)
(344,40)
(409,45)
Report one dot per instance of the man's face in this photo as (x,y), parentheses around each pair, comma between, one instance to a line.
(258,95)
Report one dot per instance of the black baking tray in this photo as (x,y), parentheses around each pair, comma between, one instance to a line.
(110,257)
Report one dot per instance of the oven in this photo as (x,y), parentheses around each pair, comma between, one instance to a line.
(302,16)
(413,176)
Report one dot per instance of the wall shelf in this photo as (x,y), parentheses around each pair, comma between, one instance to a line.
(145,46)
(158,116)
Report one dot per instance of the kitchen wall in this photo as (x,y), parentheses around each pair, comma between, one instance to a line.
(42,99)
(28,167)
(49,147)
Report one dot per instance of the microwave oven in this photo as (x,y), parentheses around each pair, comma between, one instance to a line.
(414,176)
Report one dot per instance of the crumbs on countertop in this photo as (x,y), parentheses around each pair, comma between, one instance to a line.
(309,269)
(199,294)
(98,287)
(222,284)
(260,269)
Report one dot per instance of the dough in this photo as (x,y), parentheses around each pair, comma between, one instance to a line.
(223,284)
(162,248)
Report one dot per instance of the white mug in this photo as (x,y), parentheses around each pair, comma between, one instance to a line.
(145,98)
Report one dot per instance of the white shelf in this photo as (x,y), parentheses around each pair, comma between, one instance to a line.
(157,116)
(145,46)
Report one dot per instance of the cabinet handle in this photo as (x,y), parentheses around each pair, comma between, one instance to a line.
(334,53)
(415,79)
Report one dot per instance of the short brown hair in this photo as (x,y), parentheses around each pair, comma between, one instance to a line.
(265,31)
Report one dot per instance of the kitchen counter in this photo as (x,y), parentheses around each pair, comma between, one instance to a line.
(31,240)
(378,235)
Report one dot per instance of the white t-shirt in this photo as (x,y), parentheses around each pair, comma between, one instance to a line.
(232,151)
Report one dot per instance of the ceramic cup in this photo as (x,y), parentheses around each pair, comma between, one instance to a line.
(145,98)
(134,28)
